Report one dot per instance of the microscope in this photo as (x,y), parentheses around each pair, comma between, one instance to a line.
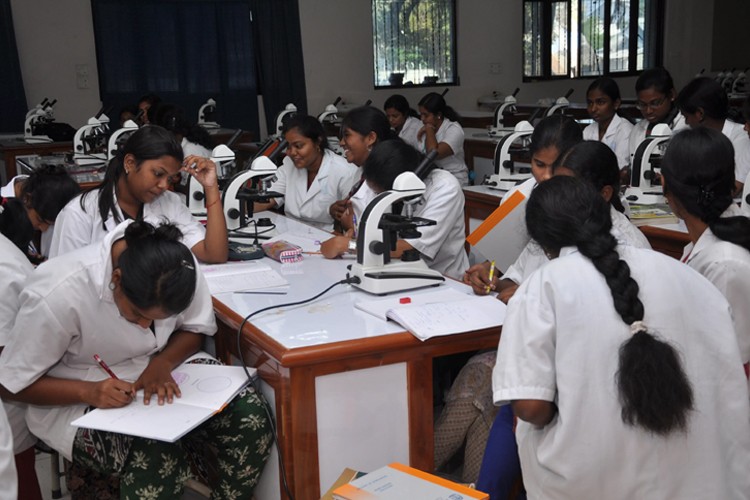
(39,115)
(119,137)
(507,106)
(560,104)
(329,114)
(207,110)
(196,197)
(289,110)
(379,230)
(645,188)
(506,174)
(90,141)
(237,199)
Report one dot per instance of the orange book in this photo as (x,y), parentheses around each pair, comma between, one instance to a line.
(397,482)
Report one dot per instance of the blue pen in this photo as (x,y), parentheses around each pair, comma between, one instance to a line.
(354,223)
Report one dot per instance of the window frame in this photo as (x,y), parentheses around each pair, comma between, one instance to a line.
(547,22)
(454,51)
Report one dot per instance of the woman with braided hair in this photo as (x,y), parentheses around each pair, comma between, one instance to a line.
(621,365)
(698,178)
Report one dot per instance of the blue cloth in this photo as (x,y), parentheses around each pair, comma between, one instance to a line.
(501,467)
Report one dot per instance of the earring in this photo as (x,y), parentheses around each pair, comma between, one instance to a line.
(127,171)
(112,285)
(369,148)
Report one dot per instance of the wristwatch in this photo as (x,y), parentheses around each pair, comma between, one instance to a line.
(352,246)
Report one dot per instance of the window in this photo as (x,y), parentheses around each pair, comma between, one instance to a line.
(579,38)
(414,42)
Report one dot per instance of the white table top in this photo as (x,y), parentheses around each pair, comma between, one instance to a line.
(331,318)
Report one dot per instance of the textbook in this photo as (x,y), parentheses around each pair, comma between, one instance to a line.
(434,314)
(206,390)
(398,482)
(647,215)
(502,236)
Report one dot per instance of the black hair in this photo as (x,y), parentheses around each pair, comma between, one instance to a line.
(129,108)
(653,389)
(400,104)
(310,127)
(435,104)
(707,94)
(698,170)
(366,119)
(595,163)
(387,160)
(607,85)
(658,79)
(558,131)
(153,100)
(157,269)
(48,189)
(172,118)
(746,109)
(15,224)
(147,143)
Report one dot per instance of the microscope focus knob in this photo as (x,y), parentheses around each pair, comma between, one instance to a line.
(411,255)
(377,247)
(198,195)
(233,213)
(649,175)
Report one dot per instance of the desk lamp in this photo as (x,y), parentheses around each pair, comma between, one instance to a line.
(506,174)
(644,185)
(205,111)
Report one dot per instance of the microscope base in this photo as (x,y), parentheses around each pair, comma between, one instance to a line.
(395,277)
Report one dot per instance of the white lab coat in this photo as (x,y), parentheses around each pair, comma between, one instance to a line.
(560,343)
(741,142)
(361,199)
(746,198)
(67,315)
(409,132)
(442,245)
(333,182)
(532,257)
(639,132)
(15,269)
(727,266)
(452,134)
(617,137)
(8,475)
(9,191)
(78,227)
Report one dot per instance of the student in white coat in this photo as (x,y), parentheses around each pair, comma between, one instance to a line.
(311,176)
(139,301)
(361,129)
(698,177)
(404,120)
(136,186)
(441,131)
(603,101)
(8,477)
(704,103)
(44,193)
(552,137)
(15,269)
(656,95)
(619,393)
(441,245)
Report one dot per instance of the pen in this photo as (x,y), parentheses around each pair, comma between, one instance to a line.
(261,293)
(492,273)
(105,367)
(354,223)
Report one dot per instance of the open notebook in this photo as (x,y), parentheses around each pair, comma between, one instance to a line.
(206,390)
(433,314)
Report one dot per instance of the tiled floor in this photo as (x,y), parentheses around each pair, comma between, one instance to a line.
(43,473)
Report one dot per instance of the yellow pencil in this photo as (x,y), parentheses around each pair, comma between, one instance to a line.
(492,273)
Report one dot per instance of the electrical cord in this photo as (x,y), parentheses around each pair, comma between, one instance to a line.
(350,280)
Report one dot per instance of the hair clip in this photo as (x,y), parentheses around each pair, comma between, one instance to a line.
(637,327)
(188,265)
(706,195)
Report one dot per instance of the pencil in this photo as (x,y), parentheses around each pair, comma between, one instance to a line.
(492,274)
(105,367)
(260,293)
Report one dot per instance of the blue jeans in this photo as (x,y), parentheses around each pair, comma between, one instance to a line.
(501,467)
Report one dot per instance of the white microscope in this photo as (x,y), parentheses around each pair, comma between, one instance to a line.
(119,137)
(206,110)
(560,104)
(329,116)
(90,141)
(41,114)
(379,230)
(289,110)
(508,106)
(506,175)
(237,199)
(196,197)
(644,187)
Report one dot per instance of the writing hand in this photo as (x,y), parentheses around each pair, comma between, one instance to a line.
(110,393)
(478,276)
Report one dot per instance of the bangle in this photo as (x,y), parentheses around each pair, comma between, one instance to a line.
(217,200)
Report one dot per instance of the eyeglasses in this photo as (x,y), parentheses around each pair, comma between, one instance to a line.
(653,104)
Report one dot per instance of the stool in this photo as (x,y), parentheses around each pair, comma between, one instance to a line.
(54,468)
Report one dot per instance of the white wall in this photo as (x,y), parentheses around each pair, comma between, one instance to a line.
(54,36)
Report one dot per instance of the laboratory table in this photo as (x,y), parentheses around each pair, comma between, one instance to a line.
(11,148)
